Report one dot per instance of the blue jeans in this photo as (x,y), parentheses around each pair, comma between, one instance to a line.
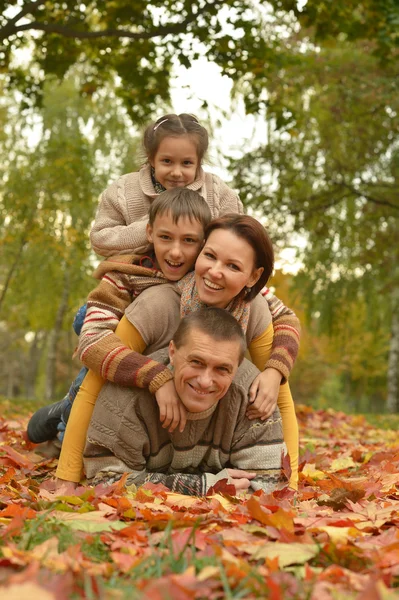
(75,385)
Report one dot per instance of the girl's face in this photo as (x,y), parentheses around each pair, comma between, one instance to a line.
(225,266)
(176,162)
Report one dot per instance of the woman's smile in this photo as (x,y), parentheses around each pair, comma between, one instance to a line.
(225,266)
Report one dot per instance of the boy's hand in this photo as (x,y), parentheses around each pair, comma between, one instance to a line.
(172,412)
(263,394)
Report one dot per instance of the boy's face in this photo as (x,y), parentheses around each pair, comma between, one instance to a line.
(176,245)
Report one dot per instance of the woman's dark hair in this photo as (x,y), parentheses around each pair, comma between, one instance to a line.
(255,234)
(172,125)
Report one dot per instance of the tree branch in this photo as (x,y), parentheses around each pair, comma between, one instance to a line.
(174,28)
(368,197)
(115,33)
(320,207)
(9,28)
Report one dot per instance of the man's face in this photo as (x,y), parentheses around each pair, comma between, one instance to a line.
(204,369)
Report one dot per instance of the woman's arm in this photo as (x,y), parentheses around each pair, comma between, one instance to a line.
(287,331)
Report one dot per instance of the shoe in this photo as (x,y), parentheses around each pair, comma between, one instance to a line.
(43,425)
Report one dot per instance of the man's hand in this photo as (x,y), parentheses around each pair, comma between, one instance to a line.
(240,479)
(263,395)
(172,412)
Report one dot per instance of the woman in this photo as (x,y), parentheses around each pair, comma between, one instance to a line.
(234,265)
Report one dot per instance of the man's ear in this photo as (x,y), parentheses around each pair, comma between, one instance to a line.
(148,232)
(172,350)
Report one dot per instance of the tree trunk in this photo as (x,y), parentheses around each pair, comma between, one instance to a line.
(393,361)
(11,272)
(32,368)
(53,340)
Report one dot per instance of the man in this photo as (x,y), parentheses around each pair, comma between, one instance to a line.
(219,442)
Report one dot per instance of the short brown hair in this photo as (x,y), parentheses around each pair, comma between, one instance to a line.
(218,323)
(172,125)
(255,234)
(180,202)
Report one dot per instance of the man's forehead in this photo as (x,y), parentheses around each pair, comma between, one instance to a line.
(209,349)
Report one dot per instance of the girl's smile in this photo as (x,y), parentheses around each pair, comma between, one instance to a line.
(176,162)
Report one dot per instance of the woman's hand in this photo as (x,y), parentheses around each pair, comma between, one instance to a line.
(172,412)
(263,394)
(240,479)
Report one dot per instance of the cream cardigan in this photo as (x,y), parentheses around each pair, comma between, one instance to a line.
(122,215)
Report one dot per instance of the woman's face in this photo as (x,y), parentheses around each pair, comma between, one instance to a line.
(224,267)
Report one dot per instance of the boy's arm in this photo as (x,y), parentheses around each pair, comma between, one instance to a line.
(287,330)
(110,233)
(101,350)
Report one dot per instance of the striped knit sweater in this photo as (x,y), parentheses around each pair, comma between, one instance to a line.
(121,280)
(126,436)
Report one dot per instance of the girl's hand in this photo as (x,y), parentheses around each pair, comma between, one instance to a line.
(172,412)
(263,395)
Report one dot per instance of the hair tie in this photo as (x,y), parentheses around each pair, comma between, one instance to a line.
(158,124)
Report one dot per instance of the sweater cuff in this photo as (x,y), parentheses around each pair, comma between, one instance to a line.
(211,479)
(275,363)
(160,379)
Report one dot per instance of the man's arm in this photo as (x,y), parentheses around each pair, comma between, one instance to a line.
(258,447)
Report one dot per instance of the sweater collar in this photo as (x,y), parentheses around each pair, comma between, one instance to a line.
(147,185)
(203,414)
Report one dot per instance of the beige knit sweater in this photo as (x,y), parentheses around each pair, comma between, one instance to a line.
(126,436)
(122,215)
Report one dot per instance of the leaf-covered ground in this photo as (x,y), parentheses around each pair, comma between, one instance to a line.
(339,539)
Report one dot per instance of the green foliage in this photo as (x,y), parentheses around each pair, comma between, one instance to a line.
(376,21)
(131,44)
(48,197)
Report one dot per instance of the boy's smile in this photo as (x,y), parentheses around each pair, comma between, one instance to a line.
(176,245)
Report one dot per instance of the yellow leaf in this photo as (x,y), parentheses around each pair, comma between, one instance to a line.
(309,470)
(339,464)
(339,534)
(287,554)
(18,591)
(208,572)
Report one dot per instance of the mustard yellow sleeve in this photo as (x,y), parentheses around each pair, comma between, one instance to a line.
(260,350)
(70,463)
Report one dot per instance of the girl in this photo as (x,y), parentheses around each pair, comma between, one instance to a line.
(175,146)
